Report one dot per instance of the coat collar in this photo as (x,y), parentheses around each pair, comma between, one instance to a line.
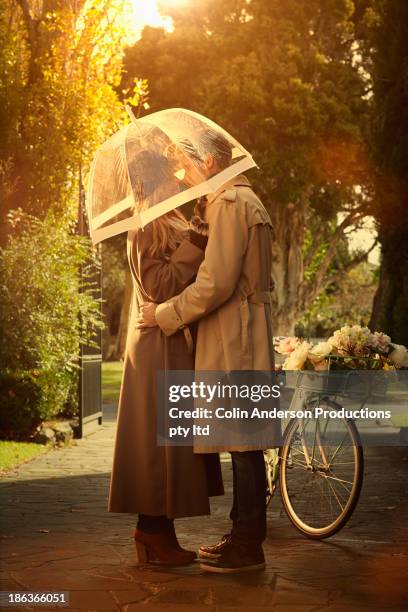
(240,180)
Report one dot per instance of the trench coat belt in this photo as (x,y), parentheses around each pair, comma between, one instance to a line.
(189,339)
(257,297)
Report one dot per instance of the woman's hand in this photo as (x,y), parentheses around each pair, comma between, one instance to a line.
(147,315)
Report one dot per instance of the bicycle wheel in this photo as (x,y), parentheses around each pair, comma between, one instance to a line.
(321,472)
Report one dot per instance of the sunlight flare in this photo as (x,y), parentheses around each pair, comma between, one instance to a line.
(152,13)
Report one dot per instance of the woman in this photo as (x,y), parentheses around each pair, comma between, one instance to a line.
(159,483)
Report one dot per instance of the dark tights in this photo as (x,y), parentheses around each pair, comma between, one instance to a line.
(154,524)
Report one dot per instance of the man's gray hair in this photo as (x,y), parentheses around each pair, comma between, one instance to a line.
(217,145)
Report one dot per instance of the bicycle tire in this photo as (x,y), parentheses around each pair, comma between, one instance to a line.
(333,528)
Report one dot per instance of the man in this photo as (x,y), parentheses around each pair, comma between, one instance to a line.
(231,300)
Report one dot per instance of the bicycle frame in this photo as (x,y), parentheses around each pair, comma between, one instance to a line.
(273,455)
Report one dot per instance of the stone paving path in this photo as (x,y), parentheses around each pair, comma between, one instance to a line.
(57,535)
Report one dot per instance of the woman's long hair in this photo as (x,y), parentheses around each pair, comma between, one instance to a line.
(152,181)
(168,231)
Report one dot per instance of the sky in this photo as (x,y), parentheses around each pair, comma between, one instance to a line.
(363,238)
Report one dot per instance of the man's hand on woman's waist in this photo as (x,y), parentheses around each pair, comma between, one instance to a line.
(147,315)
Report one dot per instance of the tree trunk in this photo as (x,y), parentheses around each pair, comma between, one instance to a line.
(389,134)
(294,291)
(390,305)
(287,267)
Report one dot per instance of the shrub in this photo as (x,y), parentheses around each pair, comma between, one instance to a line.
(26,399)
(46,310)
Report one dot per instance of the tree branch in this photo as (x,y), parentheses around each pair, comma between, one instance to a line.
(28,20)
(334,278)
(308,291)
(331,251)
(334,239)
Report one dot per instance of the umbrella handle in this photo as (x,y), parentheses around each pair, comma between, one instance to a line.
(130,113)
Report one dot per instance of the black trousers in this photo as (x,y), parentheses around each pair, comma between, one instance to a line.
(154,524)
(248,512)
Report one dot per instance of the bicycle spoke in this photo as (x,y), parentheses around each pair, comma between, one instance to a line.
(314,439)
(335,494)
(338,479)
(343,491)
(338,448)
(330,502)
(303,465)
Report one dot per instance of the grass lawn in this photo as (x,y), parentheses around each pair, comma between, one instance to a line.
(14,453)
(111,379)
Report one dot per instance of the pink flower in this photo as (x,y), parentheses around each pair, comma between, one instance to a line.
(287,345)
(380,342)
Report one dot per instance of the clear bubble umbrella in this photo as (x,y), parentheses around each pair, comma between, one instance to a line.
(155,164)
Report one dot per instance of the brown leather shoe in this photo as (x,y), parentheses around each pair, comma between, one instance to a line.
(215,551)
(160,549)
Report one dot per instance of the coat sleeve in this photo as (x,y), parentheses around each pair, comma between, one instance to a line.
(218,274)
(159,278)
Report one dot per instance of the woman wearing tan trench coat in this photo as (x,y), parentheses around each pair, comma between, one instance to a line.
(159,483)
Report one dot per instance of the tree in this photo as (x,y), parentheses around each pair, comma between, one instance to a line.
(285,78)
(60,64)
(348,304)
(60,67)
(387,24)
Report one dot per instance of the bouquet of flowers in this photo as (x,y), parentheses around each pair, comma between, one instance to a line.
(349,348)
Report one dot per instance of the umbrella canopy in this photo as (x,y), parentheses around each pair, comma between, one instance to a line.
(155,164)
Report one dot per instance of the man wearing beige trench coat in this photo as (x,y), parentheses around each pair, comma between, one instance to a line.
(231,299)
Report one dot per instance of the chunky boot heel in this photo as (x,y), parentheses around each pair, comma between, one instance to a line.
(161,549)
(141,552)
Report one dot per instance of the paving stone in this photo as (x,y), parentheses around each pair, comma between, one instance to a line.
(97,600)
(212,592)
(272,608)
(7,584)
(296,593)
(90,552)
(59,580)
(296,608)
(134,595)
(167,608)
(355,606)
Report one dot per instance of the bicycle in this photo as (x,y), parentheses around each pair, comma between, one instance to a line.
(320,465)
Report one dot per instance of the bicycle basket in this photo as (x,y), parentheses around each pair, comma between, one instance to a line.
(347,383)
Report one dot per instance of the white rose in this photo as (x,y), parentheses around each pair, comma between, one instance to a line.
(321,350)
(399,356)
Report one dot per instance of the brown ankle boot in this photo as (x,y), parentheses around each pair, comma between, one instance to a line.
(177,543)
(160,549)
